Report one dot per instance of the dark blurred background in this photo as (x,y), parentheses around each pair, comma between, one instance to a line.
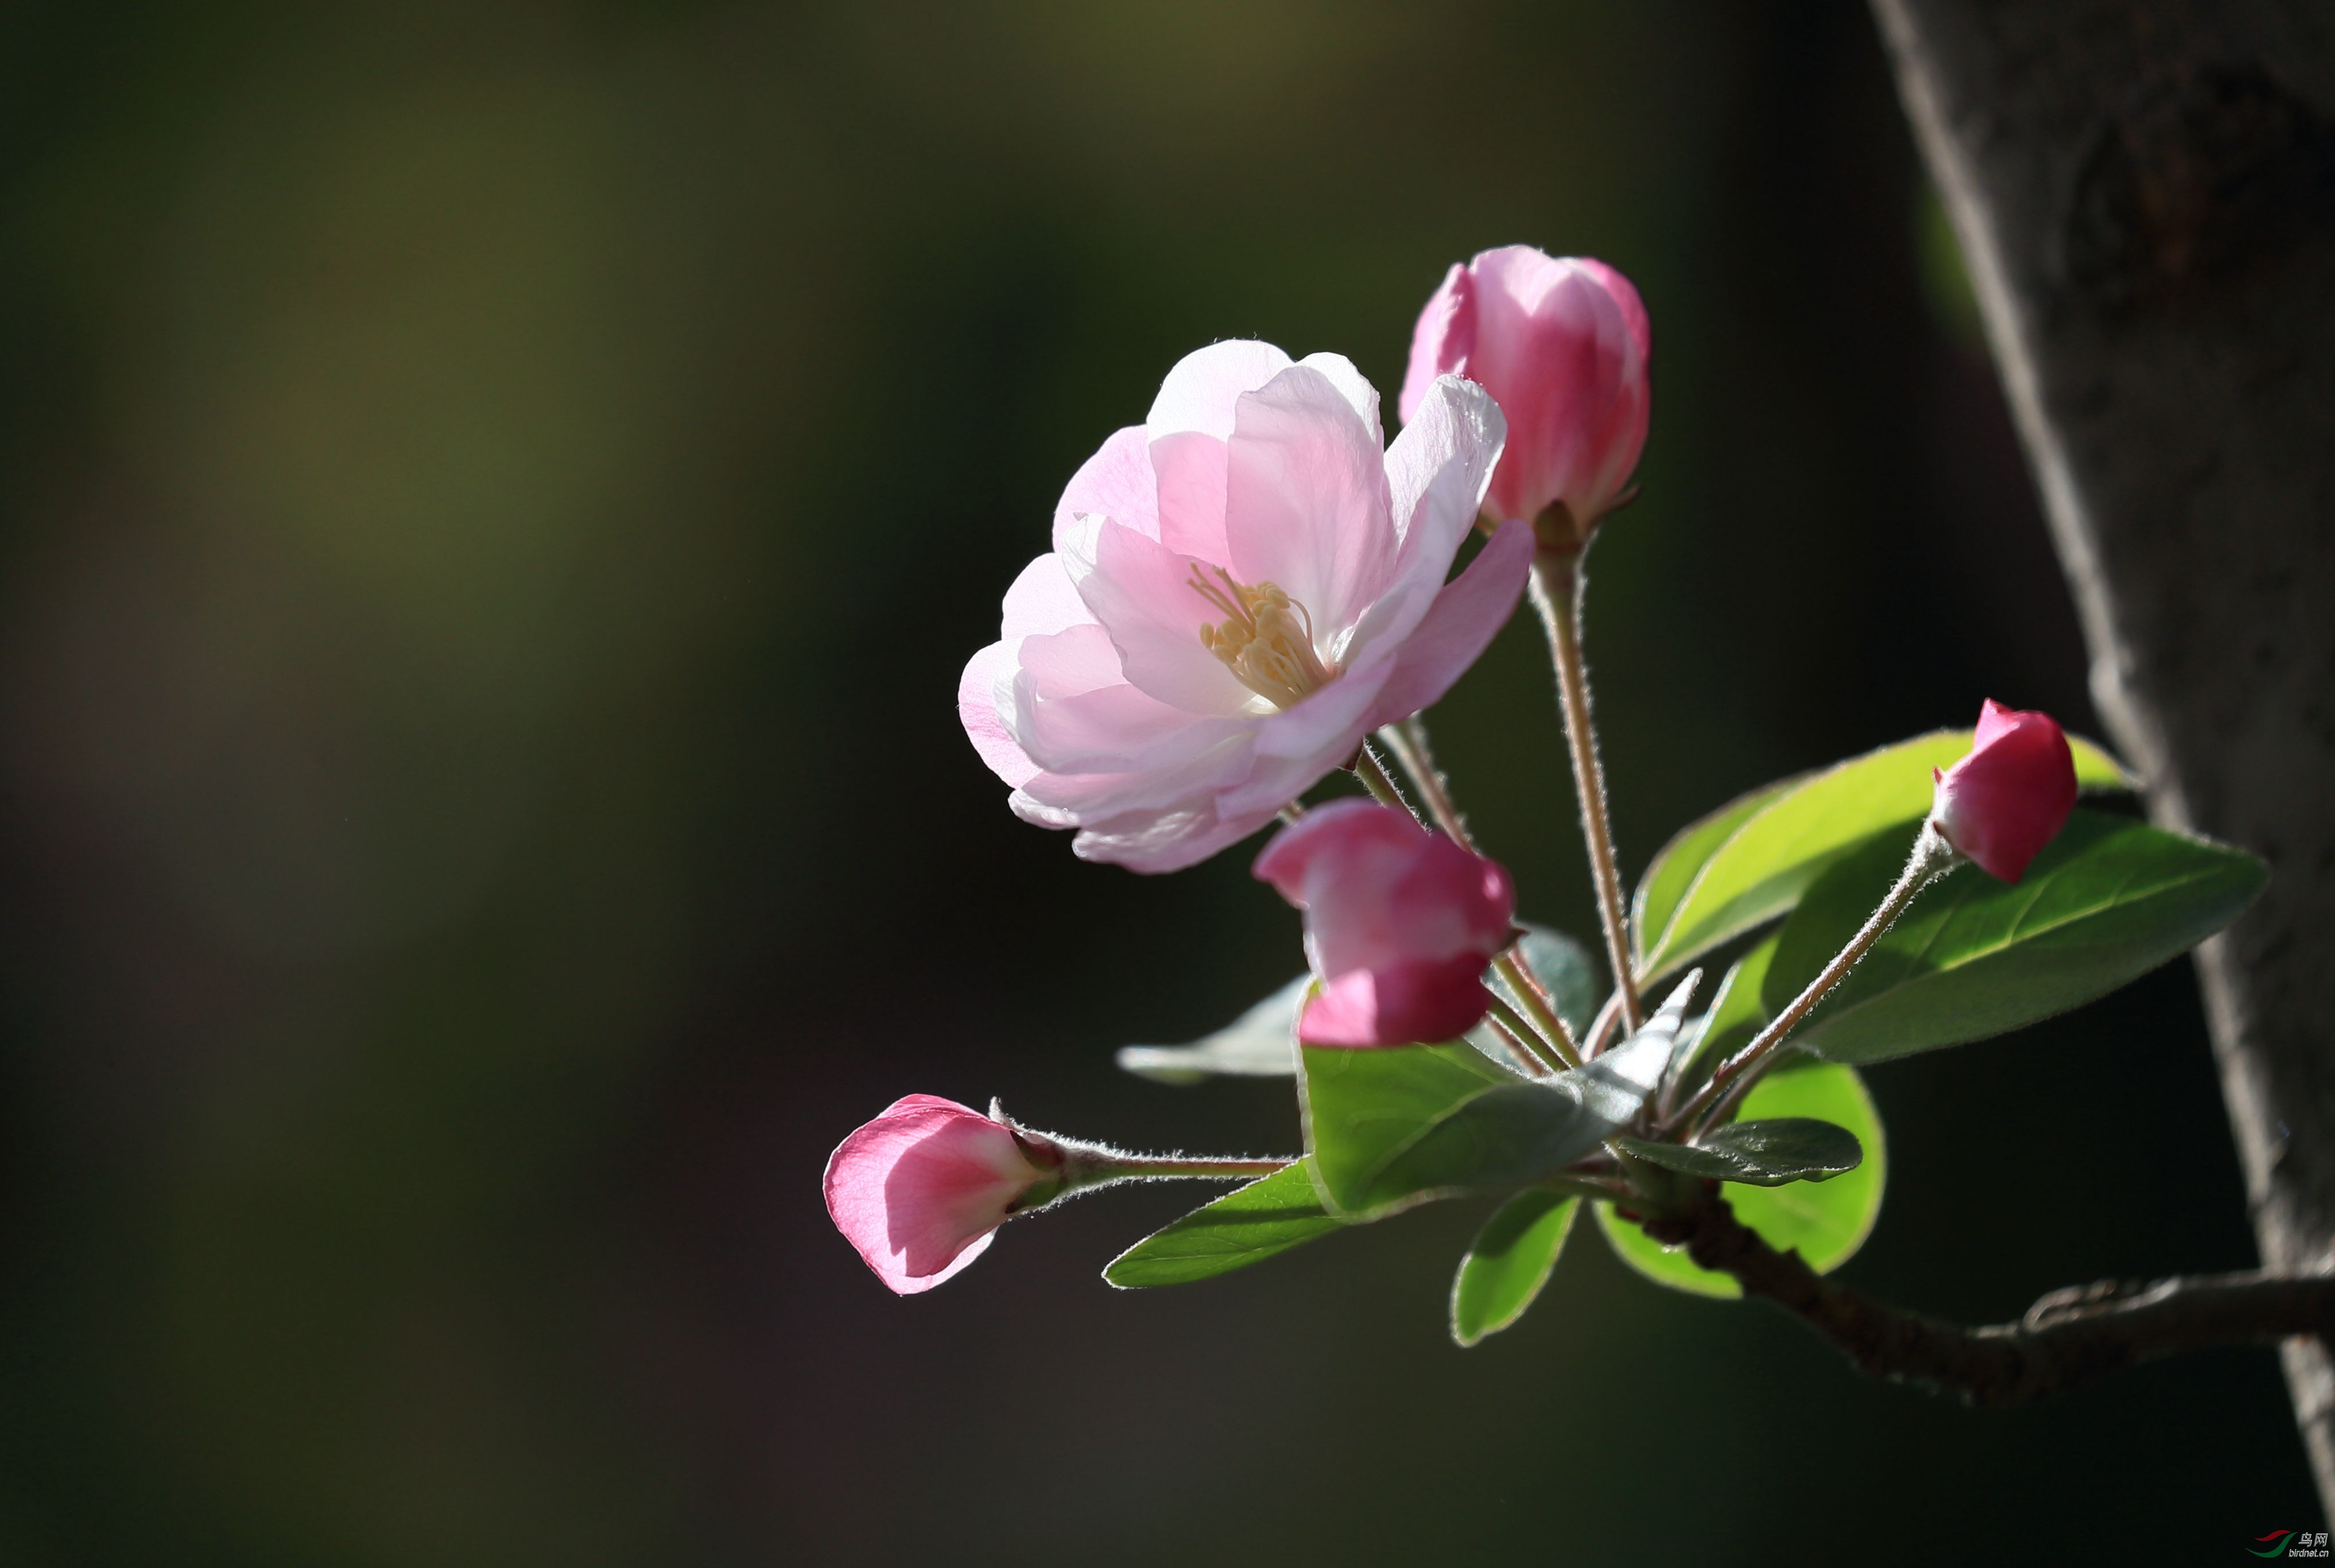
(496,500)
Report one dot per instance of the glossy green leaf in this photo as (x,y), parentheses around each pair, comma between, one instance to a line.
(1260,1043)
(1824,1222)
(1508,1262)
(1247,1225)
(1390,1128)
(1759,869)
(2106,901)
(1766,1153)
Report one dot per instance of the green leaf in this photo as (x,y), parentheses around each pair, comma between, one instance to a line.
(1767,1153)
(1825,1223)
(1259,1043)
(1759,867)
(1247,1225)
(1363,1107)
(1678,863)
(1508,1262)
(1391,1128)
(2106,901)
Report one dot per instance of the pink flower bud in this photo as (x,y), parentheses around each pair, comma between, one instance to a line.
(1398,924)
(922,1188)
(1561,344)
(2011,795)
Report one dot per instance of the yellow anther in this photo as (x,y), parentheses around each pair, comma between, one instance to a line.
(1265,639)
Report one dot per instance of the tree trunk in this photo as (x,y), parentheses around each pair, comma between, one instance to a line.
(2145,193)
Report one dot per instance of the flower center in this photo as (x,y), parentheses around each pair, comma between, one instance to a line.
(1265,639)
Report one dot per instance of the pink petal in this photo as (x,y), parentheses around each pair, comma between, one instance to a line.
(1214,753)
(1155,841)
(1078,658)
(1354,387)
(1440,343)
(976,708)
(1994,720)
(2007,799)
(1625,294)
(1112,729)
(1191,469)
(1449,903)
(1142,592)
(1200,392)
(1044,600)
(1116,483)
(1563,354)
(1436,471)
(1306,500)
(1457,627)
(1339,826)
(1329,719)
(918,1190)
(1405,1004)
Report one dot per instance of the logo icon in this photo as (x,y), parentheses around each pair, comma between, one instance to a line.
(2291,1544)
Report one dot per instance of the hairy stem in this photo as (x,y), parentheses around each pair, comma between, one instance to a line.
(1092,1167)
(1931,858)
(1375,778)
(1408,741)
(1556,582)
(1204,1167)
(1553,1055)
(2067,1339)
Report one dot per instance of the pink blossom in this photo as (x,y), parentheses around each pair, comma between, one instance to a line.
(922,1188)
(1398,924)
(2002,804)
(1241,588)
(1562,343)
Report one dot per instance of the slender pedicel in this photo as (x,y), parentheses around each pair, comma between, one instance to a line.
(1556,582)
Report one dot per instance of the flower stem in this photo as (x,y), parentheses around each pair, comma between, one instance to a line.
(1408,741)
(1093,1167)
(1931,858)
(1552,1055)
(1375,778)
(1205,1168)
(1556,581)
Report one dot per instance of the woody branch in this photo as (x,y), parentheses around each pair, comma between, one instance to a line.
(2065,1340)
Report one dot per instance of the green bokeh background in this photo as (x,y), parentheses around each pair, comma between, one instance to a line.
(494,499)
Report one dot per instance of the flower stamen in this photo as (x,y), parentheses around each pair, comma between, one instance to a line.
(1265,639)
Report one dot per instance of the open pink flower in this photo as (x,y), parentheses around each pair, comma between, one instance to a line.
(1398,924)
(1241,588)
(2002,804)
(922,1188)
(1562,343)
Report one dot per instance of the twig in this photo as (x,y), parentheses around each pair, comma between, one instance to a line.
(2066,1340)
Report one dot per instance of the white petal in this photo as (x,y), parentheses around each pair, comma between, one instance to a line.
(1044,600)
(1354,386)
(1199,393)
